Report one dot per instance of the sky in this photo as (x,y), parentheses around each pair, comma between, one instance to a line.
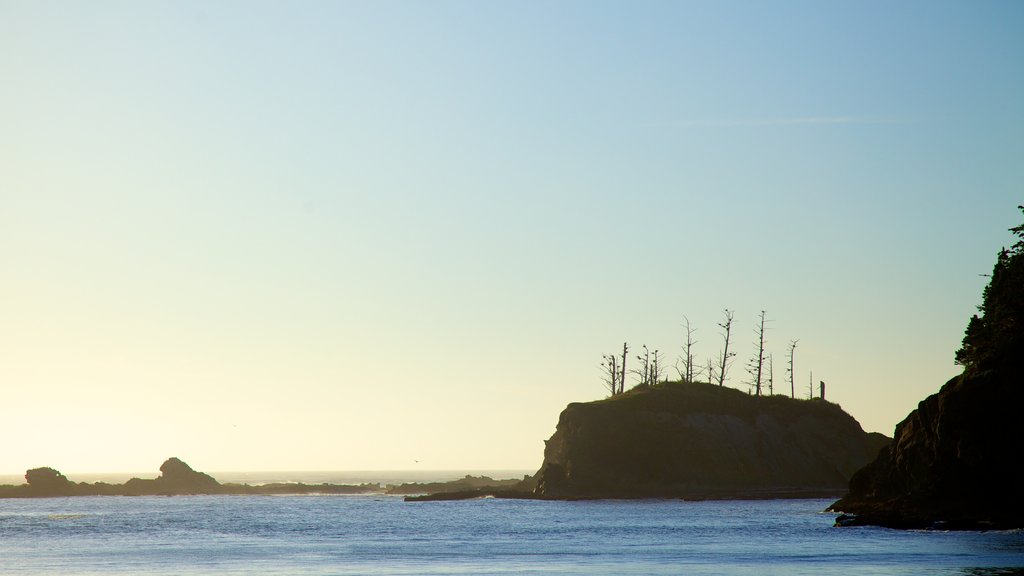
(400,235)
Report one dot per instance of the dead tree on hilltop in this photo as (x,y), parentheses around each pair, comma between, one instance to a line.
(756,365)
(622,368)
(610,366)
(643,371)
(789,370)
(651,367)
(657,368)
(711,371)
(686,374)
(771,376)
(725,358)
(810,386)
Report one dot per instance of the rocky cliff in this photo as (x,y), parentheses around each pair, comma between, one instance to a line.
(957,461)
(703,441)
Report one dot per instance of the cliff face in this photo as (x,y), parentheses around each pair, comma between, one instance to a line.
(702,441)
(957,461)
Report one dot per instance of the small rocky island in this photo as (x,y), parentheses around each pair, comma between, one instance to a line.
(957,461)
(702,441)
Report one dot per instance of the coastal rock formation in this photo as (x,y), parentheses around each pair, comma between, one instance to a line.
(176,478)
(698,440)
(956,462)
(464,485)
(48,482)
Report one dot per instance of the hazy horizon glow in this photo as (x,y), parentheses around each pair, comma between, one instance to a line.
(384,236)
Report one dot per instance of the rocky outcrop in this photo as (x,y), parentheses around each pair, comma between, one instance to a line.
(467,484)
(703,441)
(48,482)
(955,462)
(176,478)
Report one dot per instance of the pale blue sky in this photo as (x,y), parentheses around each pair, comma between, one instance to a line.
(339,235)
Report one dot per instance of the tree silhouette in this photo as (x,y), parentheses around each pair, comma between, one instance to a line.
(756,365)
(725,358)
(610,367)
(651,367)
(687,373)
(996,337)
(789,370)
(622,368)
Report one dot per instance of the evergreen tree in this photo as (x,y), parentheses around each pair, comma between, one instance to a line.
(996,336)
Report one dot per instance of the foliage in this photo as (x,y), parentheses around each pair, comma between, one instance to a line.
(996,336)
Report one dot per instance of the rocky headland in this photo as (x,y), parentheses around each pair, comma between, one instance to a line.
(701,441)
(957,461)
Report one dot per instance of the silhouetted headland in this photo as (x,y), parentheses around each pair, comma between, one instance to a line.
(957,461)
(702,441)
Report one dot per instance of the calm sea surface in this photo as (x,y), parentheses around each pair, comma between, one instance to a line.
(384,535)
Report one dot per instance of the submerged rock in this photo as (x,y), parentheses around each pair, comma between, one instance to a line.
(703,441)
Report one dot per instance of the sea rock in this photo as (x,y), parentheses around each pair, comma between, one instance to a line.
(48,482)
(696,440)
(179,478)
(176,478)
(956,460)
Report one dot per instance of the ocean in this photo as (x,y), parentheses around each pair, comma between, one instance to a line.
(383,535)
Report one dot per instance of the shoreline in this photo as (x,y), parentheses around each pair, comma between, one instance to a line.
(263,477)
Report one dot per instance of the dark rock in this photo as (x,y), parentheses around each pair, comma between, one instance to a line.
(956,459)
(177,477)
(466,484)
(473,495)
(702,441)
(846,520)
(48,482)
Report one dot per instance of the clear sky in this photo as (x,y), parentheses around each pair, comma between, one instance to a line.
(358,235)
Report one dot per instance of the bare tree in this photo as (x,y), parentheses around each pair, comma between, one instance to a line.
(771,376)
(810,386)
(610,366)
(725,358)
(657,367)
(789,370)
(711,370)
(622,368)
(652,367)
(756,365)
(687,372)
(643,372)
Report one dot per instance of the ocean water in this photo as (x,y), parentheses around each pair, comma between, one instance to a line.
(383,535)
